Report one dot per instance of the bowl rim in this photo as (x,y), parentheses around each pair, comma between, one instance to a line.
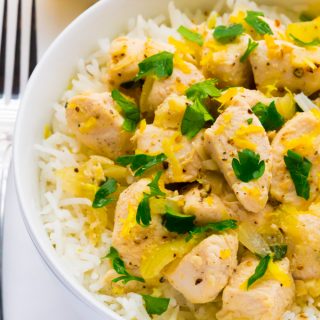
(61,273)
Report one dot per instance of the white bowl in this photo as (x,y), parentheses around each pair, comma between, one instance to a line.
(105,19)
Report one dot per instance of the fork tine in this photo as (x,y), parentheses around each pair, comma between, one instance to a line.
(12,17)
(26,14)
(1,19)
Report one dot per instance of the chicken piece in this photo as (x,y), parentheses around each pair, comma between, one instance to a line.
(155,91)
(205,206)
(267,299)
(223,62)
(183,161)
(249,97)
(285,65)
(96,122)
(126,53)
(205,271)
(129,238)
(170,113)
(303,237)
(230,134)
(302,135)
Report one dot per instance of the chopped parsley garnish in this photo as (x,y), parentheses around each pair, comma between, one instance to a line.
(194,119)
(143,216)
(213,226)
(314,42)
(253,18)
(178,222)
(131,111)
(119,267)
(203,90)
(159,65)
(269,116)
(251,46)
(139,163)
(305,17)
(248,167)
(226,34)
(155,305)
(299,168)
(101,197)
(259,271)
(279,251)
(249,121)
(191,35)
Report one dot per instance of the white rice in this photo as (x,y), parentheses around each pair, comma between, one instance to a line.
(62,217)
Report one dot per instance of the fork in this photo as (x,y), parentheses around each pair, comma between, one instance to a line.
(17,59)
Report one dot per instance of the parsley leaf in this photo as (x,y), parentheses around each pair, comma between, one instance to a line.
(213,226)
(139,163)
(249,121)
(259,271)
(191,35)
(154,185)
(159,65)
(248,167)
(194,119)
(143,216)
(279,251)
(155,305)
(203,90)
(269,117)
(177,222)
(254,20)
(305,17)
(119,267)
(314,42)
(299,169)
(100,198)
(131,111)
(251,46)
(226,34)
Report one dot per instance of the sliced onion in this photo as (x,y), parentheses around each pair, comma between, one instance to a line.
(252,240)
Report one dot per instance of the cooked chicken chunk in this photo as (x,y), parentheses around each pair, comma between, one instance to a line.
(205,271)
(96,123)
(126,53)
(155,91)
(183,160)
(128,237)
(223,62)
(232,133)
(286,66)
(302,232)
(300,134)
(267,299)
(170,113)
(205,206)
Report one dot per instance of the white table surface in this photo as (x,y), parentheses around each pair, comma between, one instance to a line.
(30,290)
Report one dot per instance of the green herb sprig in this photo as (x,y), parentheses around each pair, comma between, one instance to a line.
(155,305)
(314,42)
(131,111)
(119,267)
(191,35)
(252,45)
(140,163)
(248,167)
(227,34)
(299,168)
(159,65)
(269,116)
(101,197)
(143,216)
(253,18)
